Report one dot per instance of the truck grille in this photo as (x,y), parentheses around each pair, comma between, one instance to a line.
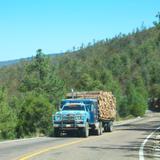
(68,118)
(68,122)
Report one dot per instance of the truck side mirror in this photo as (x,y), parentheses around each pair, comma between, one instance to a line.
(92,108)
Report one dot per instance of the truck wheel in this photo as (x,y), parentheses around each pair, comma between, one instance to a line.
(57,132)
(99,130)
(85,131)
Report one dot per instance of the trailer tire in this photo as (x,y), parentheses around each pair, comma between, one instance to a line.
(105,128)
(108,127)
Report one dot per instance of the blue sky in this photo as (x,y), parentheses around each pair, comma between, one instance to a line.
(57,25)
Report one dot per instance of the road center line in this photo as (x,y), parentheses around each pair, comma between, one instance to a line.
(141,150)
(36,153)
(50,148)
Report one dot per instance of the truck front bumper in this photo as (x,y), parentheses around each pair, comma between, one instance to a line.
(66,126)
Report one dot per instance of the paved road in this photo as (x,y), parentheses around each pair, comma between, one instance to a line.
(122,144)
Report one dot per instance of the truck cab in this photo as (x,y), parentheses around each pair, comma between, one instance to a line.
(90,104)
(72,117)
(79,115)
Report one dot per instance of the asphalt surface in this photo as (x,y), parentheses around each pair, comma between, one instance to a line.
(122,144)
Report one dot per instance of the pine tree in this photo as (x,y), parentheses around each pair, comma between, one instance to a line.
(42,90)
(7,117)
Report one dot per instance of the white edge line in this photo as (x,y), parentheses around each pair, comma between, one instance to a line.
(18,140)
(141,153)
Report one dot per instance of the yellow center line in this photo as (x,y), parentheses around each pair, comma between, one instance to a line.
(51,148)
(36,153)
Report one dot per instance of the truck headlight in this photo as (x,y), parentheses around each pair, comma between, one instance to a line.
(58,118)
(79,117)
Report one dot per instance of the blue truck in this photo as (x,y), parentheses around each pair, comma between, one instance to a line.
(81,115)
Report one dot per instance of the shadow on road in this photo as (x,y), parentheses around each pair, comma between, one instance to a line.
(147,127)
(144,128)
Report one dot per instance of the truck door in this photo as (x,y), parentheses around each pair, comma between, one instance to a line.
(93,115)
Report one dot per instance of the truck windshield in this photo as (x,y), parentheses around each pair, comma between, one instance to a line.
(75,107)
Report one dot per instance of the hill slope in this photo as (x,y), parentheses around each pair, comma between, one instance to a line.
(15,61)
(127,65)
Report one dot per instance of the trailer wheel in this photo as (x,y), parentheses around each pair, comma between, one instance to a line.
(105,128)
(108,127)
(57,132)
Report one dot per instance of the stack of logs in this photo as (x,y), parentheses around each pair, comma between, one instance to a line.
(106,102)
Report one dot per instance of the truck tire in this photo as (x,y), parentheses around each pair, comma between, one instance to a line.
(85,131)
(99,130)
(57,132)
